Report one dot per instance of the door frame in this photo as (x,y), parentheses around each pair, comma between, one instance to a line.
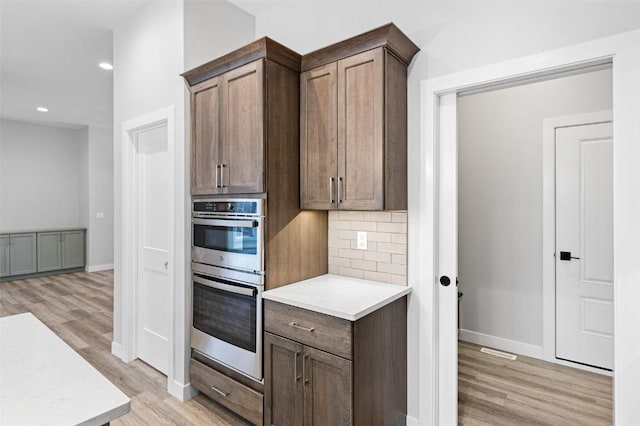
(620,50)
(130,230)
(549,230)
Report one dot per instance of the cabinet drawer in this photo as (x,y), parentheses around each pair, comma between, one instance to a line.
(330,334)
(232,394)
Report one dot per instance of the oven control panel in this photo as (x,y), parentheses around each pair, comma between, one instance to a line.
(243,207)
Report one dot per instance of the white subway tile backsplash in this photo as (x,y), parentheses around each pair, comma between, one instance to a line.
(377,216)
(398,228)
(384,259)
(363,226)
(349,272)
(393,248)
(377,256)
(399,217)
(350,254)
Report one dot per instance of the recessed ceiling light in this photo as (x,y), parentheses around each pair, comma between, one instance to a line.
(42,109)
(105,66)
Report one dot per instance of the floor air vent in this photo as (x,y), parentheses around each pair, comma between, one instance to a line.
(493,352)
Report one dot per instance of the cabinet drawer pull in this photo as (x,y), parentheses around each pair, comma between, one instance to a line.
(309,329)
(217,176)
(296,377)
(224,394)
(222,167)
(331,199)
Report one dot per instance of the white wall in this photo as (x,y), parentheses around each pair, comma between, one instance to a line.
(500,200)
(40,176)
(453,36)
(148,58)
(213,28)
(99,197)
(151,49)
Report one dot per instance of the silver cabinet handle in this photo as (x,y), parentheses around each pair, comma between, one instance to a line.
(293,324)
(224,394)
(222,167)
(217,172)
(296,377)
(226,223)
(304,369)
(332,200)
(339,190)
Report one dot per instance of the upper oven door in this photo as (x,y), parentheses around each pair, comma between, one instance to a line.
(230,243)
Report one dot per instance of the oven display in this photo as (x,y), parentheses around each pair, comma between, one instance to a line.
(231,239)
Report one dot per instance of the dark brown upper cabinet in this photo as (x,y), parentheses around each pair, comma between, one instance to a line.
(231,104)
(353,123)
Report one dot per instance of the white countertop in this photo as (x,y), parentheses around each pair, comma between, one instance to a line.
(45,382)
(338,296)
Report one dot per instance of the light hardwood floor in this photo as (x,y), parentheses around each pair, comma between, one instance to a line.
(79,308)
(496,391)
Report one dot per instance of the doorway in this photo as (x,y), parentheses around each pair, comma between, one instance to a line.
(148,272)
(154,285)
(501,193)
(437,337)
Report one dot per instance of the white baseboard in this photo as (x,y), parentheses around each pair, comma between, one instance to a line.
(96,268)
(117,350)
(412,421)
(502,344)
(182,392)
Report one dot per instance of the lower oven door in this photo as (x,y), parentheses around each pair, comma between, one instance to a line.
(227,323)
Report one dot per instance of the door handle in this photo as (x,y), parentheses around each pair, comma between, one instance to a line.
(445,281)
(166,265)
(566,255)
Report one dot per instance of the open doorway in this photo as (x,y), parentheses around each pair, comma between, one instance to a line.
(520,197)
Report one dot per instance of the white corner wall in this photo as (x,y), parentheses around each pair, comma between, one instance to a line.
(41,176)
(453,36)
(151,49)
(99,198)
(500,204)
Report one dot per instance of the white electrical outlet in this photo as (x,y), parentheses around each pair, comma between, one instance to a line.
(362,240)
(100,215)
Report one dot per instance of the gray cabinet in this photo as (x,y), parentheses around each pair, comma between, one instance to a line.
(60,250)
(40,253)
(5,268)
(17,254)
(49,256)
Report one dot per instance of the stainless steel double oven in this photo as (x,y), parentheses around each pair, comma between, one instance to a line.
(227,266)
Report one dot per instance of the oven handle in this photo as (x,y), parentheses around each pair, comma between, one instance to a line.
(226,223)
(226,287)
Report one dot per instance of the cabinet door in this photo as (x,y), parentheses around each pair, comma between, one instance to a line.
(282,381)
(72,249)
(49,255)
(4,255)
(23,254)
(327,389)
(243,129)
(318,138)
(361,131)
(205,130)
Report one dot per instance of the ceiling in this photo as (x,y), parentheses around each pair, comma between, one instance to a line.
(49,55)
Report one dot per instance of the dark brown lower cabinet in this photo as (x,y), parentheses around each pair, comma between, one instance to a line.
(307,385)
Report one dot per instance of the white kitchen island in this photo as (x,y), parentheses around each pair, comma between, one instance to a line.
(43,381)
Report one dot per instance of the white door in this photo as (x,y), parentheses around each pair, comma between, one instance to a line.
(153,298)
(584,244)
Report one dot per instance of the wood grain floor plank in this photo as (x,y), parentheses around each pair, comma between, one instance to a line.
(528,391)
(78,307)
